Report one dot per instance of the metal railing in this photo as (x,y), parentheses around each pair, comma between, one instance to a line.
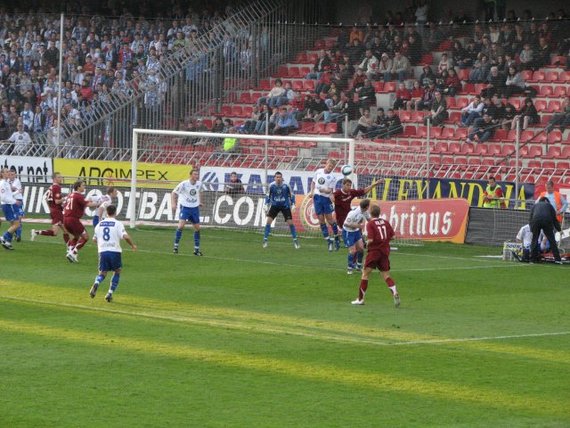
(192,81)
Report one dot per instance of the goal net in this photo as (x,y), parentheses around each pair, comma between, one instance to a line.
(255,159)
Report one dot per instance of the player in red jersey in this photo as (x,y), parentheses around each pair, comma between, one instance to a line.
(380,233)
(343,198)
(54,199)
(73,210)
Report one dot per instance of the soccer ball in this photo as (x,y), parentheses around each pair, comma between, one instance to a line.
(346,170)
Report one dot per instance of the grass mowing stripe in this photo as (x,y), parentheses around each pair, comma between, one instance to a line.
(249,323)
(487,397)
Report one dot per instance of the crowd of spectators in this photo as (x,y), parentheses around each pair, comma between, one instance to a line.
(102,57)
(493,55)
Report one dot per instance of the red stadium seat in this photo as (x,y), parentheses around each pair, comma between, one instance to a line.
(564,77)
(294,71)
(297,85)
(378,86)
(540,105)
(494,149)
(544,164)
(537,76)
(283,71)
(555,136)
(226,111)
(551,76)
(421,132)
(468,149)
(554,106)
(526,75)
(331,128)
(554,152)
(237,111)
(469,88)
(440,147)
(309,85)
(409,131)
(559,91)
(405,116)
(454,148)
(245,98)
(389,87)
(460,134)
(545,91)
(447,133)
(558,61)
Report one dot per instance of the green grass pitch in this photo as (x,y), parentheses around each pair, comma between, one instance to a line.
(253,337)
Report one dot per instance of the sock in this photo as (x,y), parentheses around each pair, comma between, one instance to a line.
(177,236)
(19,231)
(350,260)
(362,289)
(82,241)
(8,236)
(65,237)
(266,232)
(49,233)
(335,228)
(95,220)
(293,231)
(391,285)
(325,230)
(114,282)
(359,257)
(71,244)
(196,239)
(99,279)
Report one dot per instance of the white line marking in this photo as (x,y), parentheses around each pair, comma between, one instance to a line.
(281,329)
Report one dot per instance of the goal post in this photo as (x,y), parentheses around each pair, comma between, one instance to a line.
(210,135)
(256,160)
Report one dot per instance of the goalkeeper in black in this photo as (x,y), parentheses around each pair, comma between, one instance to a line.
(543,217)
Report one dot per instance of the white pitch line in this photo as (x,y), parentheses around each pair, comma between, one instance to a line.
(284,330)
(480,339)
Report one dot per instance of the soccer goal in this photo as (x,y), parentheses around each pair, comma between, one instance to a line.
(254,159)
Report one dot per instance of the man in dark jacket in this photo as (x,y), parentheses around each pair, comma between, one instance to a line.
(543,216)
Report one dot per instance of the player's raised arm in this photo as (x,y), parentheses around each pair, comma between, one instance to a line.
(373,185)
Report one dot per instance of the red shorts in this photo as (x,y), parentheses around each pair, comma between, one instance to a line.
(73,225)
(377,260)
(56,216)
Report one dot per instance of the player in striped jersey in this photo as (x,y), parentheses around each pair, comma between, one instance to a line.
(10,209)
(322,188)
(280,198)
(108,234)
(18,192)
(103,201)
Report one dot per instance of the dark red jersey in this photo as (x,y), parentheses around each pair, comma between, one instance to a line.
(53,194)
(380,233)
(75,205)
(342,202)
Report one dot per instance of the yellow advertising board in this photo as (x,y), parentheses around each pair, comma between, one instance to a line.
(116,173)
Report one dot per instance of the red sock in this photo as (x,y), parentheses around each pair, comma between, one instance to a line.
(362,289)
(47,232)
(72,242)
(82,241)
(390,282)
(66,237)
